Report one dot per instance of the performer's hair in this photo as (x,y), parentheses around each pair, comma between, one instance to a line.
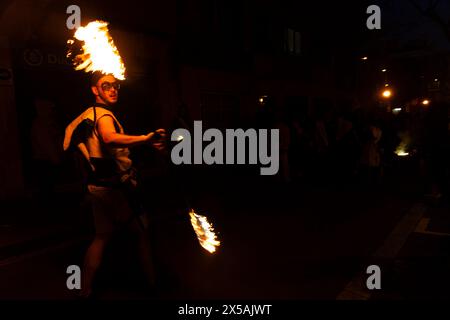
(97,75)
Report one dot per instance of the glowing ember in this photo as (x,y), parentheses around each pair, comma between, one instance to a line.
(204,231)
(99,52)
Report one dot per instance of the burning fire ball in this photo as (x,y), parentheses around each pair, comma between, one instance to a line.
(98,52)
(204,231)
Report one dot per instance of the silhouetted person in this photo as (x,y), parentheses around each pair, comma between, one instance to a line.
(46,148)
(284,145)
(371,155)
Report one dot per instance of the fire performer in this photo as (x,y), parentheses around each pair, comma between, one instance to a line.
(101,139)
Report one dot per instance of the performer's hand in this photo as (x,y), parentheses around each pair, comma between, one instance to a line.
(160,134)
(157,138)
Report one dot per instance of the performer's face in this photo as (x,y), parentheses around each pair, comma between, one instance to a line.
(107,90)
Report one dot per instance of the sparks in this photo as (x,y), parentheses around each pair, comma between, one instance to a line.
(98,50)
(204,231)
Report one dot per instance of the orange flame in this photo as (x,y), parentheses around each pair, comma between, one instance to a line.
(204,231)
(99,51)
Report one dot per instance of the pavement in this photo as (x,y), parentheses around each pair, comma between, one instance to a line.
(29,224)
(281,242)
(420,270)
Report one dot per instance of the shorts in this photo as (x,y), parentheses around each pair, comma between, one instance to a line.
(110,208)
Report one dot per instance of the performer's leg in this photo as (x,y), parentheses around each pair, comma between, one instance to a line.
(144,250)
(92,262)
(103,209)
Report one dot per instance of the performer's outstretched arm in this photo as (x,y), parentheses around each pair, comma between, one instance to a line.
(108,134)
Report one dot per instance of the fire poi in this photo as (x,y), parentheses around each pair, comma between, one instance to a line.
(204,231)
(99,53)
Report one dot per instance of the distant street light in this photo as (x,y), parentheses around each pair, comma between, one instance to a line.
(387,93)
(426,102)
(364,58)
(262,100)
(384,70)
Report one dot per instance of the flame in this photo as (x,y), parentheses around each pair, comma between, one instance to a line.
(204,231)
(98,50)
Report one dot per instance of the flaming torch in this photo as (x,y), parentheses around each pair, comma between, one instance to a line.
(204,231)
(98,50)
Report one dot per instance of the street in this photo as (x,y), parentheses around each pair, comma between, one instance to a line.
(278,242)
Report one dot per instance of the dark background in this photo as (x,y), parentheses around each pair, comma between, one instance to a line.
(214,60)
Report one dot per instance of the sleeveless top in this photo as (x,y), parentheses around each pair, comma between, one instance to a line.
(108,163)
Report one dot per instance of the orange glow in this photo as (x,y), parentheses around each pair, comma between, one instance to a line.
(387,93)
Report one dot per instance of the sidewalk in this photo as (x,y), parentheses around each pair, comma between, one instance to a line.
(421,269)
